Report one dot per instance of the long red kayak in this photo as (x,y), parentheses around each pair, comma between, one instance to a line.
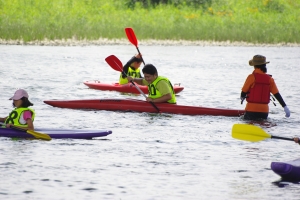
(126,88)
(141,106)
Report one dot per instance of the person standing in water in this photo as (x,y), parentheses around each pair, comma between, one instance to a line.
(257,89)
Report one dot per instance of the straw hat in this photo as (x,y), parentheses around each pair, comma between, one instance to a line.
(258,60)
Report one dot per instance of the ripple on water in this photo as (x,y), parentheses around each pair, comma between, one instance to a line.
(148,156)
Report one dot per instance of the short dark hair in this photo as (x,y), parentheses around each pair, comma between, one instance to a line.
(149,69)
(262,67)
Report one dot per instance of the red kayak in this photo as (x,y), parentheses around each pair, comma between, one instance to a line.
(126,88)
(141,106)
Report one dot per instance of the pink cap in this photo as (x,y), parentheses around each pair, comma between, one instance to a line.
(19,94)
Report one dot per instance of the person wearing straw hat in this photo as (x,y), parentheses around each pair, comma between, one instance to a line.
(257,89)
(21,116)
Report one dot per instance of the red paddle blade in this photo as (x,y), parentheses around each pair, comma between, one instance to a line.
(131,36)
(114,62)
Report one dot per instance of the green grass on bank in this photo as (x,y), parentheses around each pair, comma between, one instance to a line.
(255,21)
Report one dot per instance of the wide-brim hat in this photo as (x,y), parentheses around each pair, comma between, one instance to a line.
(19,94)
(258,60)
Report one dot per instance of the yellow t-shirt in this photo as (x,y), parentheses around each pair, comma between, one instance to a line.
(162,86)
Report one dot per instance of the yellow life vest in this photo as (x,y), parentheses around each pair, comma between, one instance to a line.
(14,117)
(135,73)
(154,92)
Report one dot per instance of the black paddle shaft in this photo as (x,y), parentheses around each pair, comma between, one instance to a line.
(282,138)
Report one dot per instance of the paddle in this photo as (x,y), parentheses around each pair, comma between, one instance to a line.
(37,135)
(252,133)
(132,38)
(117,65)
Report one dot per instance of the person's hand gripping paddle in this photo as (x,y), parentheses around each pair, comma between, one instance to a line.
(117,65)
(132,39)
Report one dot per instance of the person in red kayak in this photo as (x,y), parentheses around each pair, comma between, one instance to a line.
(21,116)
(160,89)
(131,68)
(257,89)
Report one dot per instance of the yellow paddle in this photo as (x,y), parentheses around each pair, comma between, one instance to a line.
(252,133)
(37,135)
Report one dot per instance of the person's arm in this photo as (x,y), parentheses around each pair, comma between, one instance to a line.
(246,87)
(243,96)
(28,118)
(164,98)
(282,103)
(274,90)
(137,80)
(165,91)
(30,124)
(280,99)
(296,139)
(2,119)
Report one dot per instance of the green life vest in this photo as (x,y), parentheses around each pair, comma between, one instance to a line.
(135,73)
(154,92)
(14,117)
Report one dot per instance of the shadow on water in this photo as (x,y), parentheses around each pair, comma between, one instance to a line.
(285,183)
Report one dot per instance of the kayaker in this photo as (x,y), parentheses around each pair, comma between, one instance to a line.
(131,68)
(297,140)
(160,89)
(21,116)
(257,89)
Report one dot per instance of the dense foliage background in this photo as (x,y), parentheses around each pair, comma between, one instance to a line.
(256,21)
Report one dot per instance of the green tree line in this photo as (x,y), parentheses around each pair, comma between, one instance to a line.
(255,21)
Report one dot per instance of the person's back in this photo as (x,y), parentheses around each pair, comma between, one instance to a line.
(256,90)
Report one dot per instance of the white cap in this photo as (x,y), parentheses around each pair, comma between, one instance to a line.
(19,94)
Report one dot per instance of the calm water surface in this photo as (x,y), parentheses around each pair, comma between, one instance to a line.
(148,156)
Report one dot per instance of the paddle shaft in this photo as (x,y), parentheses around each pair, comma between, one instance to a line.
(14,127)
(281,138)
(140,54)
(116,64)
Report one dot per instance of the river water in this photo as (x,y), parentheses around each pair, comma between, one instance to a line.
(148,156)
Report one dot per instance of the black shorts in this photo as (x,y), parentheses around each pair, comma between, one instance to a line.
(255,115)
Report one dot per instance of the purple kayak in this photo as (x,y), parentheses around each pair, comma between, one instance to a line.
(289,170)
(56,133)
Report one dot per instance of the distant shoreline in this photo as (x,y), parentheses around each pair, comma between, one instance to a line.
(105,41)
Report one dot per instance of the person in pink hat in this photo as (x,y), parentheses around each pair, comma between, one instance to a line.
(22,116)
